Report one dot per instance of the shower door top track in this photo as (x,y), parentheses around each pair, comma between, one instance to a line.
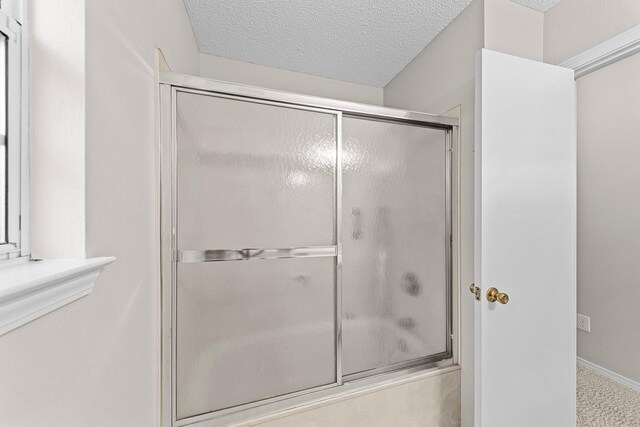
(172,84)
(347,107)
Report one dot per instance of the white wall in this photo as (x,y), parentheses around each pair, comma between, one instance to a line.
(438,79)
(230,70)
(57,131)
(608,157)
(573,26)
(608,212)
(95,362)
(513,29)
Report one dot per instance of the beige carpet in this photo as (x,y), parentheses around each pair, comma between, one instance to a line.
(603,402)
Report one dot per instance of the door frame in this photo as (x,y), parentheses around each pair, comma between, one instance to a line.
(562,76)
(609,52)
(599,56)
(606,53)
(169,85)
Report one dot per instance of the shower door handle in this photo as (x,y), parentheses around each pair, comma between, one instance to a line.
(212,255)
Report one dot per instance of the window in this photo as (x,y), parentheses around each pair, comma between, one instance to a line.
(28,289)
(13,152)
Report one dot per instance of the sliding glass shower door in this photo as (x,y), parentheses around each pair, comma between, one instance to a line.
(255,183)
(395,243)
(310,247)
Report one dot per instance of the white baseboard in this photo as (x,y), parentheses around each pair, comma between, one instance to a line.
(607,373)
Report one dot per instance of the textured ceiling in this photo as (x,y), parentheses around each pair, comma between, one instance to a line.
(365,42)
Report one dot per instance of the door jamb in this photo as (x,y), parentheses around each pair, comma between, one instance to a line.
(613,50)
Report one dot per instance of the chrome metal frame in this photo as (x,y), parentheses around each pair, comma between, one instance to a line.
(338,242)
(451,138)
(170,86)
(454,251)
(398,367)
(166,251)
(260,94)
(213,255)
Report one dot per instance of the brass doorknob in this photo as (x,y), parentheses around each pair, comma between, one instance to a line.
(493,295)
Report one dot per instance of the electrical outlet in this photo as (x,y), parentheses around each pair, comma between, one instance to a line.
(584,323)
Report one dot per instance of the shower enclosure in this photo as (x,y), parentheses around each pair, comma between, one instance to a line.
(306,247)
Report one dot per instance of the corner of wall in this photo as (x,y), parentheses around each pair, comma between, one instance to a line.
(161,62)
(573,26)
(232,70)
(513,29)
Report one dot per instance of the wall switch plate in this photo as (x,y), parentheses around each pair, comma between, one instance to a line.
(584,323)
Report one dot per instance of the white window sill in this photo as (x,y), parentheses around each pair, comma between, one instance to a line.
(31,289)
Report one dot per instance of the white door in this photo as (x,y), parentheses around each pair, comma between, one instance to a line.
(525,243)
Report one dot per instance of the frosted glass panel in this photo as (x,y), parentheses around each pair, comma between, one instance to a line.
(261,176)
(394,277)
(250,330)
(253,175)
